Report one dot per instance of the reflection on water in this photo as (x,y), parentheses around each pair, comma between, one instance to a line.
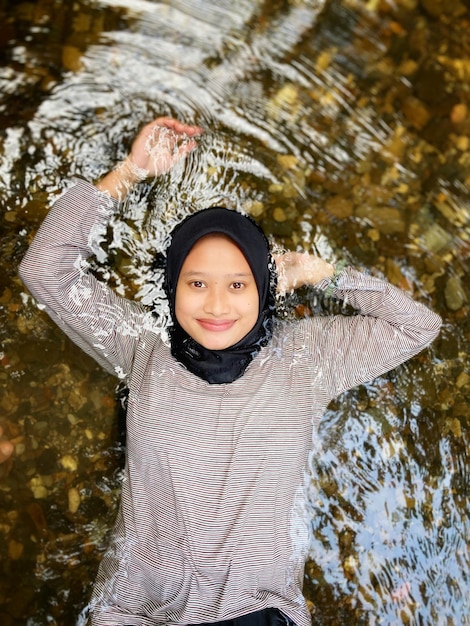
(341,126)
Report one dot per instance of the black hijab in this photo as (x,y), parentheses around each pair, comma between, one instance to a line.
(222,366)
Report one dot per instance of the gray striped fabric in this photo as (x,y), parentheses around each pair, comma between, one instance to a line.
(212,524)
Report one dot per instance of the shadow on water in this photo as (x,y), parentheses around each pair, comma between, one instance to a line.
(342,127)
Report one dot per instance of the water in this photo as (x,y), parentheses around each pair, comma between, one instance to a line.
(342,127)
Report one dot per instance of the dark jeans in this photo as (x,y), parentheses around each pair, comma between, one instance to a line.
(266,617)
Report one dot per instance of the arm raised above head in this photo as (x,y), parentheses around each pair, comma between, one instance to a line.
(55,268)
(389,327)
(56,271)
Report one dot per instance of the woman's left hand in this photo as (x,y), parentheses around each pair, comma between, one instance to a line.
(296,269)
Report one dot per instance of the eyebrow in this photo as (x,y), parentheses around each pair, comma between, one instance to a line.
(205,274)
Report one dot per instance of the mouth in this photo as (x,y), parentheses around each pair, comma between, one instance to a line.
(216,325)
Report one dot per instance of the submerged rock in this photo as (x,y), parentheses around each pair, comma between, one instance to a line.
(385,219)
(454,293)
(436,238)
(74,500)
(339,206)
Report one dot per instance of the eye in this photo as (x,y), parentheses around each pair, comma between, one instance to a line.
(238,285)
(198,284)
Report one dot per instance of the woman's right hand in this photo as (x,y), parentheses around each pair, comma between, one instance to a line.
(156,149)
(161,144)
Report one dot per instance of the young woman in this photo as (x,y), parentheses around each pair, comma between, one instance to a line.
(220,423)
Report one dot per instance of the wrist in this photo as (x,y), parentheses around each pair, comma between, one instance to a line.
(131,173)
(122,178)
(338,269)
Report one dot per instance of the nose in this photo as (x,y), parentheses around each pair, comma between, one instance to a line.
(216,302)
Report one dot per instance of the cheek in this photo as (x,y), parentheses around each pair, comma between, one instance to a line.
(180,301)
(252,307)
(255,303)
(187,303)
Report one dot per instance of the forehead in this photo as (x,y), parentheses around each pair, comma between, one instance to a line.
(213,241)
(216,249)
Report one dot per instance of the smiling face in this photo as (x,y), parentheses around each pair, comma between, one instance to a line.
(217,301)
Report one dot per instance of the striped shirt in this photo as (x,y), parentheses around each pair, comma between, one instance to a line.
(212,520)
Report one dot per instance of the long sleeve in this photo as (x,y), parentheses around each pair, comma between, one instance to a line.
(389,328)
(55,270)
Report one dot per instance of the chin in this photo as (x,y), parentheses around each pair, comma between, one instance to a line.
(216,345)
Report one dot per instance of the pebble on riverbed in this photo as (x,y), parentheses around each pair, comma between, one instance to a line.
(454,293)
(74,500)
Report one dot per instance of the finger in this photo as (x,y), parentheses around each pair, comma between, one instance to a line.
(185,129)
(193,130)
(183,151)
(177,126)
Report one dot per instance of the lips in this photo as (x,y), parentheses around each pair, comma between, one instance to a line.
(216,325)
